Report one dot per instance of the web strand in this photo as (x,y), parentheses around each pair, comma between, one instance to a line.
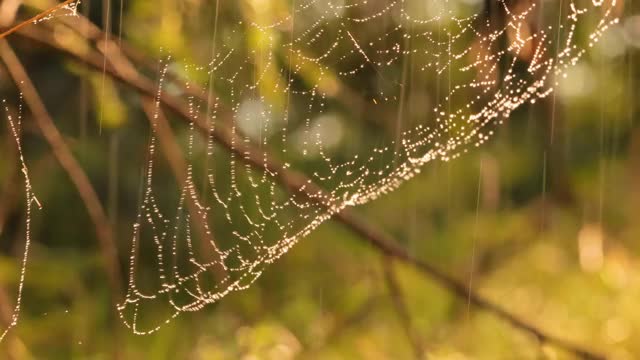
(30,200)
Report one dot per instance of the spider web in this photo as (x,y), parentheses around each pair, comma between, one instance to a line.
(289,94)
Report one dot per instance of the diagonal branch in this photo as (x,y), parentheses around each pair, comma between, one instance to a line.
(299,184)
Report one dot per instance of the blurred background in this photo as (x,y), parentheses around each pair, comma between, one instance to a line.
(542,219)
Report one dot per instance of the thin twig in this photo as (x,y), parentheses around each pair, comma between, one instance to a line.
(299,184)
(400,305)
(35,19)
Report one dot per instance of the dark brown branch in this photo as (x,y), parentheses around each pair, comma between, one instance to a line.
(299,184)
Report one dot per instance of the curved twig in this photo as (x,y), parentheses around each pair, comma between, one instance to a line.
(36,18)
